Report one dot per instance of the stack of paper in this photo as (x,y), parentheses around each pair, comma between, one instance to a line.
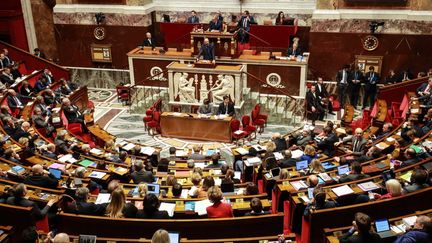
(103,198)
(342,190)
(65,158)
(325,176)
(278,155)
(147,150)
(120,170)
(201,206)
(96,151)
(368,186)
(169,207)
(181,153)
(253,161)
(295,154)
(298,185)
(409,221)
(57,166)
(129,146)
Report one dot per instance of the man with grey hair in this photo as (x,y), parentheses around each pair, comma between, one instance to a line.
(421,231)
(41,178)
(140,174)
(22,131)
(81,206)
(281,143)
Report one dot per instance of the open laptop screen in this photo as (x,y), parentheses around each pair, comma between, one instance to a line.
(275,172)
(301,165)
(153,188)
(382,225)
(174,237)
(342,170)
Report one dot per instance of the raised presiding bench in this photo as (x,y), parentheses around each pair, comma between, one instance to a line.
(191,126)
(189,228)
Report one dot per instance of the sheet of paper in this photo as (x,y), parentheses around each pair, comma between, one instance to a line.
(169,207)
(278,155)
(65,158)
(298,185)
(129,146)
(296,153)
(342,190)
(184,194)
(103,198)
(181,153)
(201,206)
(242,151)
(368,186)
(97,174)
(96,151)
(147,150)
(253,160)
(57,166)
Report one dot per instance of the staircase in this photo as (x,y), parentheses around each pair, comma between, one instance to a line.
(143,97)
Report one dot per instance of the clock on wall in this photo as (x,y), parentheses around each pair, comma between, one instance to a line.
(370,43)
(99,33)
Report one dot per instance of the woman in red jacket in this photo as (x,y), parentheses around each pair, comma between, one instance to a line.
(218,209)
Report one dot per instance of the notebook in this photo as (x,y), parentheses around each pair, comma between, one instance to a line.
(343,169)
(301,165)
(56,173)
(328,165)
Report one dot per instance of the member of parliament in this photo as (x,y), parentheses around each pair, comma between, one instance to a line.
(170,121)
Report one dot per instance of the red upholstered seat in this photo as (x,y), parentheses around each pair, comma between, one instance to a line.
(148,117)
(235,126)
(43,225)
(154,125)
(248,128)
(259,114)
(256,121)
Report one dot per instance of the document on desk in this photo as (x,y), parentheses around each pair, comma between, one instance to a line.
(169,207)
(65,158)
(97,174)
(200,165)
(176,113)
(147,150)
(129,146)
(181,153)
(252,161)
(342,190)
(103,198)
(368,186)
(201,206)
(242,151)
(57,166)
(298,185)
(278,155)
(295,154)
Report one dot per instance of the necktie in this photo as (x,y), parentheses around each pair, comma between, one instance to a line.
(343,76)
(150,41)
(226,109)
(17,101)
(355,145)
(245,22)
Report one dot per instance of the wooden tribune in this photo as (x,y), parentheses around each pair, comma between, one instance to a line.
(189,126)
(224,42)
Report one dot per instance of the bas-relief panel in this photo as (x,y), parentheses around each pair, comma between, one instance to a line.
(115,19)
(362,26)
(138,2)
(206,17)
(99,78)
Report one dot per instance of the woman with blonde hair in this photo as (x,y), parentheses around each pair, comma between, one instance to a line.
(142,189)
(309,153)
(315,167)
(118,208)
(284,174)
(219,209)
(160,236)
(394,189)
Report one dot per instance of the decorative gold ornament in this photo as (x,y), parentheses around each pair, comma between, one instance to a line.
(370,43)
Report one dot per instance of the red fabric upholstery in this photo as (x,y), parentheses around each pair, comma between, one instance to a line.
(305,233)
(75,128)
(260,185)
(64,119)
(274,204)
(22,68)
(247,126)
(155,123)
(95,192)
(235,126)
(287,216)
(43,225)
(259,114)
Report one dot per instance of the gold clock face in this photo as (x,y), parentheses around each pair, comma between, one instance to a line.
(99,33)
(370,43)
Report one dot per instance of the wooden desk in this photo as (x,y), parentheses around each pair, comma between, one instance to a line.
(225,43)
(192,127)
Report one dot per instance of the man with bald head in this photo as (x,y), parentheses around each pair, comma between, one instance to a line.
(207,51)
(149,41)
(22,132)
(421,231)
(358,143)
(40,177)
(61,238)
(14,102)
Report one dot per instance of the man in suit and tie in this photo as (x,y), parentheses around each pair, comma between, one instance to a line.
(324,95)
(215,24)
(425,88)
(355,80)
(7,59)
(342,78)
(207,51)
(14,102)
(358,143)
(244,26)
(48,75)
(314,105)
(328,142)
(6,77)
(371,80)
(72,112)
(226,107)
(149,41)
(193,19)
(39,53)
(294,50)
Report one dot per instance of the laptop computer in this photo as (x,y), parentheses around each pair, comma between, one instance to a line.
(343,169)
(174,237)
(310,192)
(56,173)
(275,172)
(153,188)
(301,165)
(383,228)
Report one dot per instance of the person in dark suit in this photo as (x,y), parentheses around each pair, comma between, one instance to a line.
(19,199)
(22,131)
(318,202)
(425,88)
(420,232)
(215,161)
(38,178)
(6,77)
(355,174)
(322,92)
(411,157)
(371,80)
(14,102)
(41,84)
(2,61)
(26,90)
(72,112)
(391,78)
(354,84)
(257,208)
(81,206)
(281,143)
(48,76)
(419,179)
(361,224)
(7,61)
(342,78)
(39,53)
(66,88)
(295,50)
(141,175)
(243,26)
(287,161)
(327,143)
(193,19)
(151,208)
(358,143)
(314,105)
(215,24)
(405,75)
(226,107)
(149,41)
(207,51)
(9,126)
